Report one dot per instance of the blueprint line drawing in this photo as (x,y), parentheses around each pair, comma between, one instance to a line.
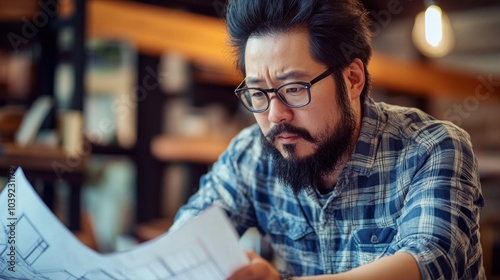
(36,245)
(30,250)
(194,263)
(33,244)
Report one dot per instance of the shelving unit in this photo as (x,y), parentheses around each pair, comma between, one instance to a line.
(45,23)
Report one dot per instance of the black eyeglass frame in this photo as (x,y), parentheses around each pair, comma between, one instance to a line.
(266,92)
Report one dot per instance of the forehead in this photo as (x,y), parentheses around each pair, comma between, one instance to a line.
(278,52)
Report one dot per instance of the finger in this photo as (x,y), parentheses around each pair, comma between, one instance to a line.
(251,255)
(258,269)
(240,274)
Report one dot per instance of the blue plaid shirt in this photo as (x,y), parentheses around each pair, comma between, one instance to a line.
(411,185)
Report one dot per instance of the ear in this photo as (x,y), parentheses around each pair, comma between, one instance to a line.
(355,78)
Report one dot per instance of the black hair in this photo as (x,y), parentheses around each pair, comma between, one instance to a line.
(339,30)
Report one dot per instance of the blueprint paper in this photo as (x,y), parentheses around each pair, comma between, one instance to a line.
(198,250)
(34,244)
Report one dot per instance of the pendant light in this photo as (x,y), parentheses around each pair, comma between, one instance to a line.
(432,32)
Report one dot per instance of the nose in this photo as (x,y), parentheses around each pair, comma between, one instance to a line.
(278,112)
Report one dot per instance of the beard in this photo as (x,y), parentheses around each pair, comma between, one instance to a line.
(307,173)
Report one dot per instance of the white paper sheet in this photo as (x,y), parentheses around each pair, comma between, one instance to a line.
(34,244)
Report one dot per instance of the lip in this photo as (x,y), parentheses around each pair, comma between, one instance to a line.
(287,138)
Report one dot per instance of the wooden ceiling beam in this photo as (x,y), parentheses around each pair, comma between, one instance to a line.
(154,30)
(428,80)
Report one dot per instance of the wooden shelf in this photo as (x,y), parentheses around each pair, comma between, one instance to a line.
(38,158)
(16,10)
(49,165)
(185,149)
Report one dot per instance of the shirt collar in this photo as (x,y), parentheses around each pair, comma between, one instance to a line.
(364,154)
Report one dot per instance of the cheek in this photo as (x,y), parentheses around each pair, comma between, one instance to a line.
(318,106)
(319,118)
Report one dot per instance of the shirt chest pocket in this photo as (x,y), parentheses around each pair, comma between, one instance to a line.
(371,244)
(294,228)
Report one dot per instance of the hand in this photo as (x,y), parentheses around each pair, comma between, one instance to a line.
(258,269)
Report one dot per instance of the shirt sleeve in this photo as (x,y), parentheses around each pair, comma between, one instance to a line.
(439,224)
(226,185)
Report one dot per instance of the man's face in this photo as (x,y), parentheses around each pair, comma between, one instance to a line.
(307,143)
(282,58)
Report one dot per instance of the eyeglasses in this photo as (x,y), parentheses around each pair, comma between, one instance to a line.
(293,95)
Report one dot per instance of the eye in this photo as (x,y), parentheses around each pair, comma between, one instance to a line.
(257,94)
(294,90)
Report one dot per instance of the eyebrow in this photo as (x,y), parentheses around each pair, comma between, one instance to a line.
(291,75)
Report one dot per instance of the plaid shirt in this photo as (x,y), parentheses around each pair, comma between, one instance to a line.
(411,185)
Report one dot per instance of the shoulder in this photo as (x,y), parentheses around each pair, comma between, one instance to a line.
(421,128)
(246,138)
(430,143)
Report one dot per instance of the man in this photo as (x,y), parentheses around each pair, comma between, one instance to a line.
(343,187)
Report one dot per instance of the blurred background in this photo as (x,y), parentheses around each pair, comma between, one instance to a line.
(114,109)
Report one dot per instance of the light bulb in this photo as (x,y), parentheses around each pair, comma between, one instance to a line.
(433,25)
(432,33)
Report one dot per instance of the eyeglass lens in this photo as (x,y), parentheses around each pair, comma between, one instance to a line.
(291,94)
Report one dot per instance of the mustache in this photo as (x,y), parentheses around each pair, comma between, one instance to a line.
(288,128)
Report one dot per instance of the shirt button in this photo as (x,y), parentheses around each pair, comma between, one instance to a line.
(374,239)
